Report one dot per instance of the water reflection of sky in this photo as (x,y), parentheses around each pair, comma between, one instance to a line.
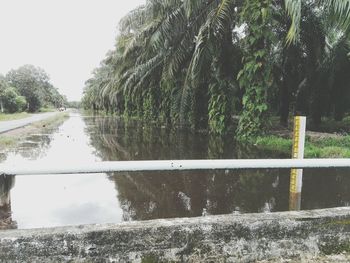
(56,200)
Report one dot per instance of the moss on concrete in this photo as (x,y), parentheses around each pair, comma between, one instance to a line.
(276,237)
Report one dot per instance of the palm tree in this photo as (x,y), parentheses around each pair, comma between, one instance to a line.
(178,61)
(337,10)
(163,55)
(316,61)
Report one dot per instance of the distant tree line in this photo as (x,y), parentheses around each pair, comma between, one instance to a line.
(74,104)
(200,62)
(28,88)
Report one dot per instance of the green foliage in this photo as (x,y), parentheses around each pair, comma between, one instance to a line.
(8,98)
(21,103)
(74,104)
(149,111)
(338,10)
(274,143)
(13,116)
(255,77)
(34,84)
(11,101)
(199,63)
(159,52)
(220,106)
(337,147)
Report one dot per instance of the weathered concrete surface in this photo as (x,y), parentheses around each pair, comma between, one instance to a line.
(277,237)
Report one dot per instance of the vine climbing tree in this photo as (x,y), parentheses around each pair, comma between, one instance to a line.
(256,75)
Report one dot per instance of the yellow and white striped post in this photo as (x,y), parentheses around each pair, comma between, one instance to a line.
(296,176)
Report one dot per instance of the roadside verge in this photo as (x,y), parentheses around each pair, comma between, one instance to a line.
(10,136)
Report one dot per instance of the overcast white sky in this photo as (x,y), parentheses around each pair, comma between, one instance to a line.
(67,38)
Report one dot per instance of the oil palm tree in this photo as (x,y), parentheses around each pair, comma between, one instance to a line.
(316,59)
(337,10)
(165,49)
(178,61)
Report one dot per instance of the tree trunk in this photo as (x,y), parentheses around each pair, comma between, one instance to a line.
(301,105)
(284,104)
(200,110)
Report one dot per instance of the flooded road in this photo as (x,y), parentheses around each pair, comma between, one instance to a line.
(57,200)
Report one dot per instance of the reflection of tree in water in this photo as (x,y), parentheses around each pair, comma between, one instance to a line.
(161,195)
(3,156)
(173,194)
(178,194)
(325,188)
(32,147)
(6,183)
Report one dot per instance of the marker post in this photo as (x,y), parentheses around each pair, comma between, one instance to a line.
(296,176)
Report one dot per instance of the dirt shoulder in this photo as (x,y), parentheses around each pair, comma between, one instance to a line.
(12,137)
(15,124)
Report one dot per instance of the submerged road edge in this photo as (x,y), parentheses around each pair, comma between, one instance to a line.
(7,126)
(298,236)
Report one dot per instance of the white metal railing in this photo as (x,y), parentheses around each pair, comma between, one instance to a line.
(168,165)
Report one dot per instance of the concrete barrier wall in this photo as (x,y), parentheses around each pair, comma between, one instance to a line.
(299,236)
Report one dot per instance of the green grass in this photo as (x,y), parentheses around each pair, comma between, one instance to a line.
(47,109)
(274,143)
(314,148)
(13,116)
(330,125)
(9,141)
(52,121)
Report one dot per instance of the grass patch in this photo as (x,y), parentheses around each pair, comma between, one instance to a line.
(47,110)
(340,141)
(330,125)
(274,143)
(11,139)
(7,141)
(314,148)
(311,151)
(52,121)
(14,116)
(334,152)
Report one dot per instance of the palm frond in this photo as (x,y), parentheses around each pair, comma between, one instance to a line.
(133,20)
(192,6)
(223,16)
(141,72)
(293,8)
(171,26)
(339,13)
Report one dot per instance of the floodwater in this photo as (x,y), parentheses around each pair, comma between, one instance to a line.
(58,200)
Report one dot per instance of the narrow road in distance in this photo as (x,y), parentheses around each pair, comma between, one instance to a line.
(6,126)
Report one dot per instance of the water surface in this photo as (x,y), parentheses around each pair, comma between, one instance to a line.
(57,200)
